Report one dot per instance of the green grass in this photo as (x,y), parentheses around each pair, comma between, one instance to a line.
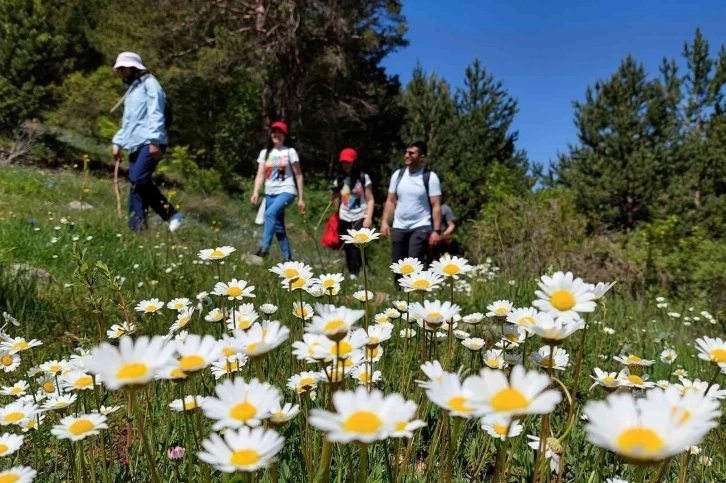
(32,204)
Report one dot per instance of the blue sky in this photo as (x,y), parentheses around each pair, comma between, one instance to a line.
(547,51)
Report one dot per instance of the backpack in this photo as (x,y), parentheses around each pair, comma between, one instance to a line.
(426,178)
(168,114)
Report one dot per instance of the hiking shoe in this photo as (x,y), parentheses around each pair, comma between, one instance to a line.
(261,253)
(175,221)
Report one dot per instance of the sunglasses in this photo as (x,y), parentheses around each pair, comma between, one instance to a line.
(411,153)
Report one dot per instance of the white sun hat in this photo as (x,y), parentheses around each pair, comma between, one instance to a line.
(129,59)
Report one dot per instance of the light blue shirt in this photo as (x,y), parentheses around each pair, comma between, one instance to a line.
(143,120)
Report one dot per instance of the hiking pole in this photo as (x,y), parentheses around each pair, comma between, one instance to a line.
(115,187)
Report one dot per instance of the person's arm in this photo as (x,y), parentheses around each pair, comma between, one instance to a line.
(450,227)
(436,219)
(335,199)
(297,170)
(388,210)
(155,101)
(370,205)
(119,139)
(259,179)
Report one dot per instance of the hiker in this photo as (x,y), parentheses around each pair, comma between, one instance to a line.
(353,198)
(143,135)
(279,167)
(414,200)
(448,222)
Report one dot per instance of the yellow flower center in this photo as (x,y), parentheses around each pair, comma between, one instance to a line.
(451,269)
(234,291)
(217,253)
(509,399)
(3,448)
(502,310)
(243,411)
(636,379)
(633,359)
(7,361)
(500,429)
(718,355)
(300,282)
(562,300)
(183,321)
(372,353)
(290,272)
(228,352)
(179,306)
(459,404)
(134,370)
(639,441)
(16,390)
(189,405)
(344,348)
(365,422)
(546,362)
(407,269)
(328,282)
(306,381)
(81,426)
(49,387)
(512,337)
(191,362)
(9,478)
(20,345)
(608,379)
(150,308)
(119,333)
(252,347)
(334,325)
(434,315)
(526,321)
(364,376)
(421,283)
(669,356)
(176,372)
(493,363)
(361,238)
(84,381)
(401,426)
(14,417)
(244,457)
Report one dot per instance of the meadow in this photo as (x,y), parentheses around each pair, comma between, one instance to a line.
(89,413)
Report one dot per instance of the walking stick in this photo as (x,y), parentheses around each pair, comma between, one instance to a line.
(115,187)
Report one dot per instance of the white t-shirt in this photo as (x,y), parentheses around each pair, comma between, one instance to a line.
(413,208)
(353,200)
(279,177)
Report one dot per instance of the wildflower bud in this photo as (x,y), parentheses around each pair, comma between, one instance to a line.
(554,445)
(175,453)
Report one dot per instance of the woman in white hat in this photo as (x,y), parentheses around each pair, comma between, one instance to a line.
(143,135)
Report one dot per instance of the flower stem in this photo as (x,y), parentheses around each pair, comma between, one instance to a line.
(683,471)
(365,285)
(499,465)
(323,474)
(145,440)
(639,474)
(363,467)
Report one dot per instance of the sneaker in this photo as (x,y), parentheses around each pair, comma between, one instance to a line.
(352,277)
(175,221)
(261,253)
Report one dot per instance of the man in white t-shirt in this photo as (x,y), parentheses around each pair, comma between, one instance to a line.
(414,200)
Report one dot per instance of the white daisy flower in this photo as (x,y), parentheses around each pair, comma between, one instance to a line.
(668,356)
(403,423)
(189,404)
(214,315)
(18,474)
(10,443)
(633,361)
(473,319)
(318,291)
(435,313)
(59,402)
(562,295)
(550,453)
(333,322)
(501,427)
(512,359)
(150,306)
(363,374)
(106,410)
(360,238)
(119,330)
(234,290)
(494,358)
(552,330)
(78,427)
(545,358)
(392,313)
(9,361)
(600,289)
(359,416)
(499,308)
(197,352)
(292,270)
(448,266)
(240,403)
(407,266)
(282,414)
(77,381)
(363,295)
(18,389)
(698,385)
(420,282)
(209,254)
(228,365)
(330,280)
(304,312)
(626,379)
(303,382)
(54,366)
(178,304)
(183,319)
(379,333)
(452,395)
(32,423)
(712,350)
(18,344)
(605,379)
(17,413)
(244,450)
(306,349)
(268,309)
(644,430)
(433,371)
(524,393)
(407,333)
(401,305)
(523,317)
(132,364)
(242,317)
(258,341)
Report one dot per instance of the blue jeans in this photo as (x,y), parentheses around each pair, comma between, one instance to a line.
(275,223)
(144,193)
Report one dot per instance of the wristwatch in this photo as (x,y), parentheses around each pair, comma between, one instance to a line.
(438,231)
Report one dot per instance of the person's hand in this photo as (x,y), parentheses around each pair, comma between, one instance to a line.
(254,198)
(117,153)
(385,230)
(155,152)
(434,239)
(367,223)
(301,205)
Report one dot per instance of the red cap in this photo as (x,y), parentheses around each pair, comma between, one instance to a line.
(280,125)
(348,155)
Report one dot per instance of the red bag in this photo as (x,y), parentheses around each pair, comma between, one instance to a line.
(330,238)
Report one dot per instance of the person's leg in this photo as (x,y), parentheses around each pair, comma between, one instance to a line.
(145,189)
(272,205)
(418,245)
(343,227)
(154,198)
(137,207)
(352,252)
(399,240)
(280,232)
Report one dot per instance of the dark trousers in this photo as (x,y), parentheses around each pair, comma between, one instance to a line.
(353,259)
(144,193)
(411,243)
